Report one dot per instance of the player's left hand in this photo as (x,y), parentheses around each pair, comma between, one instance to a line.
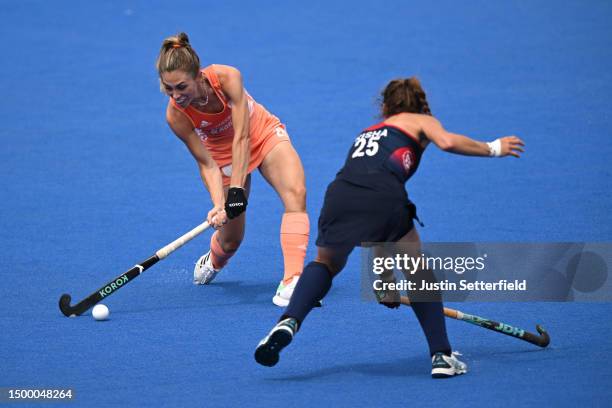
(236,202)
(511,146)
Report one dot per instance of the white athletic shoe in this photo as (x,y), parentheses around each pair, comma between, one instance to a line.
(268,349)
(284,292)
(443,366)
(204,272)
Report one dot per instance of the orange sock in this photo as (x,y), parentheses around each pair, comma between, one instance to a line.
(295,228)
(218,256)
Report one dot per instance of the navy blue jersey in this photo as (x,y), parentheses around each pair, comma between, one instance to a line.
(382,155)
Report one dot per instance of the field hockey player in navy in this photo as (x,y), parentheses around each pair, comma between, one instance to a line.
(367,202)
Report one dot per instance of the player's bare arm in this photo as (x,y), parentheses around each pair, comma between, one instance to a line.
(233,88)
(209,171)
(460,144)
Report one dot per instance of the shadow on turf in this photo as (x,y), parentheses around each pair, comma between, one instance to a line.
(232,293)
(259,293)
(404,367)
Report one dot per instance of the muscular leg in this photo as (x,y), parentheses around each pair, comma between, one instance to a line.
(316,281)
(430,314)
(225,242)
(282,168)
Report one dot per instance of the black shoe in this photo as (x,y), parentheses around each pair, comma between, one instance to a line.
(279,337)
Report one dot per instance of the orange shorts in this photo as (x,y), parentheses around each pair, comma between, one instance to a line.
(260,147)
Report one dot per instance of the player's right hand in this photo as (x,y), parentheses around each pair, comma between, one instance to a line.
(511,146)
(388,298)
(217,217)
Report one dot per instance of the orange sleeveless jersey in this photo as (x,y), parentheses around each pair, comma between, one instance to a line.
(216,130)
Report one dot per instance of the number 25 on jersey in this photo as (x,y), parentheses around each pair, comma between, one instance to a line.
(367,143)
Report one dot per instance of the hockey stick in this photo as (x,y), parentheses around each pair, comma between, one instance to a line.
(120,281)
(542,339)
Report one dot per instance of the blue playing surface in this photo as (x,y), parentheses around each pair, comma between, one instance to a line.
(93,181)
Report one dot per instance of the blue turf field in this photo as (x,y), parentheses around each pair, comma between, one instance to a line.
(93,181)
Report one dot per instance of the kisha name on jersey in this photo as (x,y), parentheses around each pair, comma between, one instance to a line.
(366,144)
(376,134)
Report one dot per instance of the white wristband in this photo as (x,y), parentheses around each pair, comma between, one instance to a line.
(494,148)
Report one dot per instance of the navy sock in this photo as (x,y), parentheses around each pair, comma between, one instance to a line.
(431,318)
(310,289)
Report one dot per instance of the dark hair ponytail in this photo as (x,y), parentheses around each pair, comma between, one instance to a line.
(419,93)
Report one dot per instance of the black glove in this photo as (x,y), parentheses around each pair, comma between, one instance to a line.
(236,202)
(390,299)
(391,305)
